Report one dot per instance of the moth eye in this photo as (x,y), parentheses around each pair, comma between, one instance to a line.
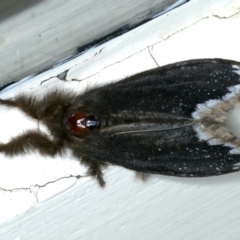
(81,123)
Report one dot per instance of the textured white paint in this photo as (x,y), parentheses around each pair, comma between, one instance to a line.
(233,122)
(168,9)
(35,34)
(163,207)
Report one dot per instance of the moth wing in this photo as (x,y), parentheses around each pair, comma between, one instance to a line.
(173,91)
(172,152)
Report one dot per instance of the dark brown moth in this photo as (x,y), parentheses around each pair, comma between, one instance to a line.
(160,121)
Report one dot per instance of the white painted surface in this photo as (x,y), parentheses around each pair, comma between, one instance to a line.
(233,122)
(35,34)
(163,207)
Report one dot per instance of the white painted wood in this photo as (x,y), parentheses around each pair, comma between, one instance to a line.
(35,34)
(163,207)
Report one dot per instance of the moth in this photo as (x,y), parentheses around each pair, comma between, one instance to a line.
(179,120)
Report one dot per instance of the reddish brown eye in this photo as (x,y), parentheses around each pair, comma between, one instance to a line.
(81,123)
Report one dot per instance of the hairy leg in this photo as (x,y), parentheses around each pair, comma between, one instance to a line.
(27,104)
(94,168)
(143,176)
(49,105)
(29,142)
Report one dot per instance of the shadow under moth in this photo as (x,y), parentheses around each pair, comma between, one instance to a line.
(181,120)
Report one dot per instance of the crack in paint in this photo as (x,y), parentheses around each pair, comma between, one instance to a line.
(74,79)
(33,189)
(63,75)
(215,15)
(150,52)
(147,48)
(222,17)
(151,46)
